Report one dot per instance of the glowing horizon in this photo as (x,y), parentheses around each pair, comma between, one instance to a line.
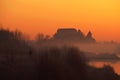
(101,17)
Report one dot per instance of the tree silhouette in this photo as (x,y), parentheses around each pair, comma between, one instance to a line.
(11,41)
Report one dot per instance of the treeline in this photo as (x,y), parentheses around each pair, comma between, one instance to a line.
(20,60)
(12,42)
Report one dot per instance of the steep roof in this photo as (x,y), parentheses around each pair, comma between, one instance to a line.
(71,34)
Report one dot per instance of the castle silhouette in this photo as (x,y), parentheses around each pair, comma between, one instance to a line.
(73,35)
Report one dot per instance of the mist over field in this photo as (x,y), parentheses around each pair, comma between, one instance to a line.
(49,59)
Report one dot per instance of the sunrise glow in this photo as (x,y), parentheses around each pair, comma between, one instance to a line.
(102,17)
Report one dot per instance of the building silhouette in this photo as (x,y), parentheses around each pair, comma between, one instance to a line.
(73,35)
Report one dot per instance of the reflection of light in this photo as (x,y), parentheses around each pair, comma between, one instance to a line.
(118,55)
(97,64)
(116,66)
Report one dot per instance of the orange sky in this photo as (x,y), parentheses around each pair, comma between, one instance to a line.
(102,17)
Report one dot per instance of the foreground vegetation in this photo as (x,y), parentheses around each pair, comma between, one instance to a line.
(21,61)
